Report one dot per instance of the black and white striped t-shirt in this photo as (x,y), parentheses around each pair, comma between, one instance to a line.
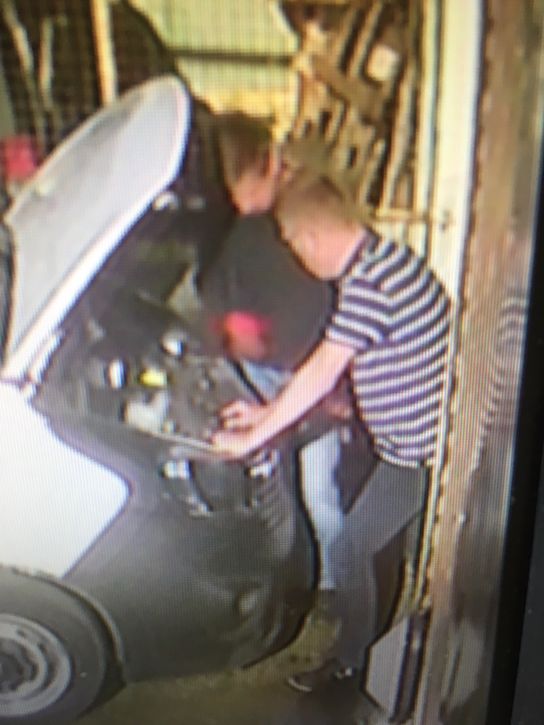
(396,315)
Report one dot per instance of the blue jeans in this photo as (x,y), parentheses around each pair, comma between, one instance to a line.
(264,379)
(318,462)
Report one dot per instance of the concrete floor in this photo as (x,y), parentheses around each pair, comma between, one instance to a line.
(255,696)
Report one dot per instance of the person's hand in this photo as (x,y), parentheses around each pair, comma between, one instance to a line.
(234,445)
(241,415)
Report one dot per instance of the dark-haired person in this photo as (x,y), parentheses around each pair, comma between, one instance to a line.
(253,163)
(258,280)
(389,331)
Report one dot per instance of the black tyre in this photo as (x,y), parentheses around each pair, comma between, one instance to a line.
(55,656)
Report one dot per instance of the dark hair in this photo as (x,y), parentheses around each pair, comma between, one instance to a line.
(244,145)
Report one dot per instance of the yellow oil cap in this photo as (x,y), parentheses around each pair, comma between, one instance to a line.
(153,378)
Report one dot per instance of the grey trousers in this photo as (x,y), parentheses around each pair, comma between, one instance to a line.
(391,499)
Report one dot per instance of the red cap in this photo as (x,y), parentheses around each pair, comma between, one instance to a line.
(19,158)
(245,334)
(245,324)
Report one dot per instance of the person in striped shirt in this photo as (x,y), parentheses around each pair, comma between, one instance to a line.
(389,331)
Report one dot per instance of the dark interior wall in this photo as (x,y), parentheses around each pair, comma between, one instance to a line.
(73,79)
(7,121)
(74,86)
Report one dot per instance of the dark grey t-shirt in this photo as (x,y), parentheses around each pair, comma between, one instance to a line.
(255,272)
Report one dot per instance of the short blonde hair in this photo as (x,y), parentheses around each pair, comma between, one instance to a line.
(309,198)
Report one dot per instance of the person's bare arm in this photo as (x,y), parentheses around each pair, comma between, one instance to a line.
(316,377)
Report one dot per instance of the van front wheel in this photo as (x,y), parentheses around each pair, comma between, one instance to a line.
(55,655)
